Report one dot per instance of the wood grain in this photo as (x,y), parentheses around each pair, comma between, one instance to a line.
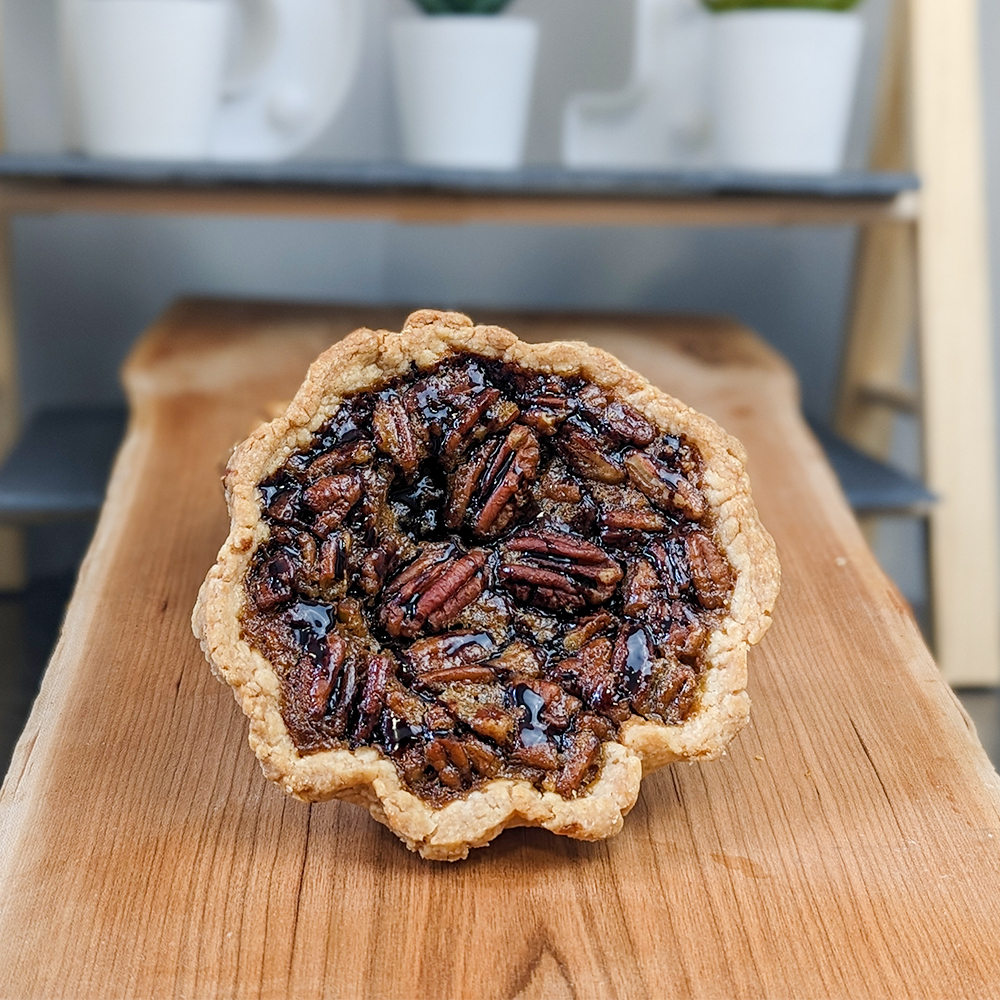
(847,846)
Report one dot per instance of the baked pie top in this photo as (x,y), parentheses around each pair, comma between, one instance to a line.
(473,583)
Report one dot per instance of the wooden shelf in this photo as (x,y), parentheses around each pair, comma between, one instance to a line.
(534,196)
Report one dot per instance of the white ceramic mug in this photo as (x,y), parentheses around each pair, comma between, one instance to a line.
(219,79)
(463,85)
(150,75)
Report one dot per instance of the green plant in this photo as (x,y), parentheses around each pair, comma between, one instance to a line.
(777,4)
(462,6)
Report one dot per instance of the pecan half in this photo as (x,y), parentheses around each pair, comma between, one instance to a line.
(432,590)
(372,698)
(613,416)
(687,635)
(673,695)
(449,759)
(582,751)
(640,590)
(671,559)
(477,415)
(396,435)
(344,457)
(284,505)
(482,490)
(557,571)
(633,661)
(578,637)
(668,490)
(271,582)
(588,456)
(332,497)
(590,674)
(710,570)
(624,519)
(446,659)
(546,412)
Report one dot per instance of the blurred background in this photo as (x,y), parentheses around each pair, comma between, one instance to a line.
(86,285)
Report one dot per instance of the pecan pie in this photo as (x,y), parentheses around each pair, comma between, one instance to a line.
(473,583)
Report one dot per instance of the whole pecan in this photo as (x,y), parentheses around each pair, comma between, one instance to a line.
(710,570)
(556,571)
(432,590)
(483,489)
(668,490)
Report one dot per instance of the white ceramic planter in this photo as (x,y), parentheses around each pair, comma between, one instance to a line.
(783,88)
(463,86)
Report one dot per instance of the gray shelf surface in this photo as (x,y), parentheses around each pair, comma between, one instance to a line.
(872,487)
(550,181)
(60,467)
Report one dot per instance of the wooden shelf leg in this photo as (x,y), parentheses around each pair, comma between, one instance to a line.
(13,563)
(882,328)
(885,298)
(956,340)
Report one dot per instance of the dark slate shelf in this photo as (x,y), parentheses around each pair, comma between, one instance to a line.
(871,487)
(59,469)
(549,181)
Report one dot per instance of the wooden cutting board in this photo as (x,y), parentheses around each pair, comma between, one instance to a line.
(847,846)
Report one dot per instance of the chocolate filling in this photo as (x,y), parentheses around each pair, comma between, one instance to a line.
(483,571)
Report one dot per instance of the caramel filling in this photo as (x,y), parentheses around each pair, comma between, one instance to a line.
(483,571)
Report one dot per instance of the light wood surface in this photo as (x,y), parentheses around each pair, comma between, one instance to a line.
(847,846)
(956,337)
(435,208)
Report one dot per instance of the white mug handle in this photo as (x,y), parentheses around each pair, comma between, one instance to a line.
(293,65)
(254,41)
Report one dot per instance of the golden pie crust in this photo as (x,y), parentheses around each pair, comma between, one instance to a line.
(364,360)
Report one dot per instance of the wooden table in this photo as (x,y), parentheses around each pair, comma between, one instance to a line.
(848,845)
